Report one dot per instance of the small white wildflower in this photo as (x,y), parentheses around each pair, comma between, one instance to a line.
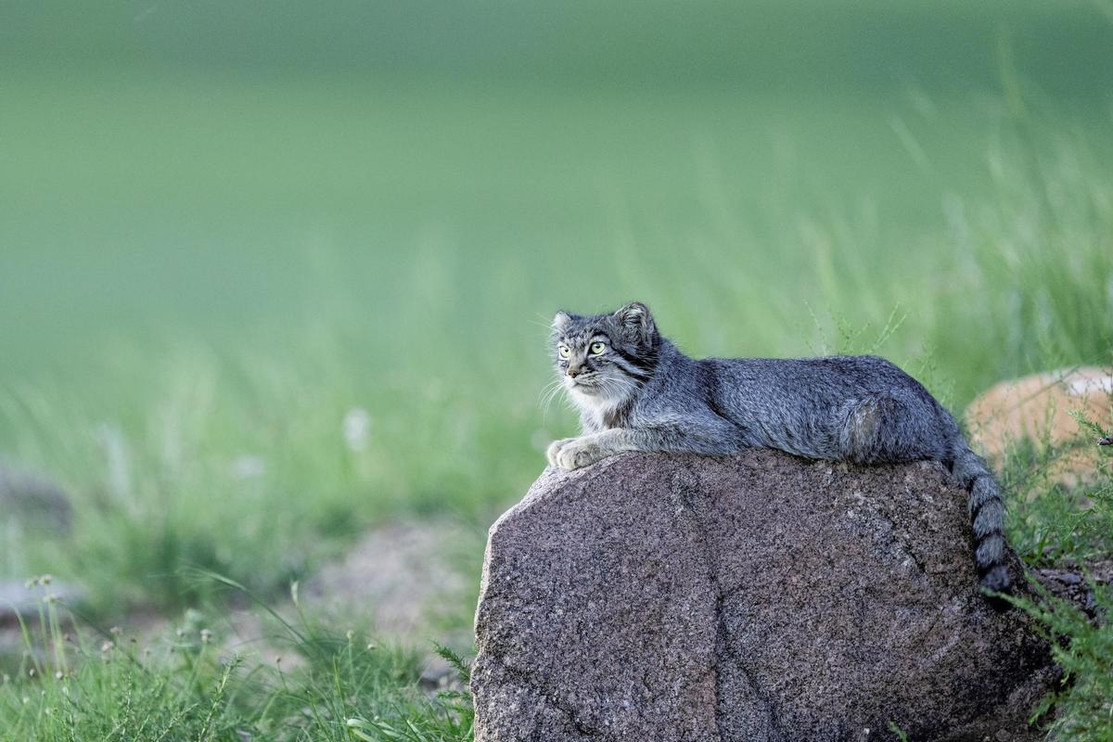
(206,636)
(357,429)
(58,675)
(249,467)
(107,646)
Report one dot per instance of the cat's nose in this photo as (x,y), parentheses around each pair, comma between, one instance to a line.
(574,371)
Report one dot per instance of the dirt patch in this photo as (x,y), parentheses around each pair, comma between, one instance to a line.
(402,576)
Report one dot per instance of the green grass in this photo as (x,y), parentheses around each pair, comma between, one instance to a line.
(1052,524)
(1081,711)
(184,686)
(216,247)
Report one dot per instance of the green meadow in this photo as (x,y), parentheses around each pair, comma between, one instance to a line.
(269,279)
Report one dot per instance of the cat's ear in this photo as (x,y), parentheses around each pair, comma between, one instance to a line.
(637,322)
(561,321)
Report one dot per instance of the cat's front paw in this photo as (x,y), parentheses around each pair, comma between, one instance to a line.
(579,452)
(555,448)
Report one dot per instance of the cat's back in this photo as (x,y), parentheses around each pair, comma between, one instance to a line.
(824,378)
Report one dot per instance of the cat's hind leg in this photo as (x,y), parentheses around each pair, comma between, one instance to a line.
(888,428)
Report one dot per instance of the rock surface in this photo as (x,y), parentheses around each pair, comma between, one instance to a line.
(750,598)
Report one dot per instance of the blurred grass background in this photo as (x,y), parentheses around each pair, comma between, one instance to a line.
(226,228)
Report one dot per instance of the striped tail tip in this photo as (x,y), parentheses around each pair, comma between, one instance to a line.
(997,580)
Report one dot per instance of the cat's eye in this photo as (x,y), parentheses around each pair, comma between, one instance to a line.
(564,351)
(598,348)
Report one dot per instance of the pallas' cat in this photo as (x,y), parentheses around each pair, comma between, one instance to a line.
(637,392)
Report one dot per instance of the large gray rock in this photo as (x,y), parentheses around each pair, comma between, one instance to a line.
(654,598)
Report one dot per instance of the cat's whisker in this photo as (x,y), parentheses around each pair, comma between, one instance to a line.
(547,402)
(548,389)
(550,392)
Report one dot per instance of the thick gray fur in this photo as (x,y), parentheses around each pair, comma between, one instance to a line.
(637,392)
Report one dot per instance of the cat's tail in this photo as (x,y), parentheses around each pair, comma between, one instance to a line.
(987,517)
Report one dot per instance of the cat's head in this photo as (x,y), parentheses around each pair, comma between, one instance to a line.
(604,359)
